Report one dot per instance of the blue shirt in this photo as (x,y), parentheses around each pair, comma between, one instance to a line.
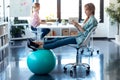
(91,23)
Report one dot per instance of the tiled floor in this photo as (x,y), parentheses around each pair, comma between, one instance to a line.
(103,66)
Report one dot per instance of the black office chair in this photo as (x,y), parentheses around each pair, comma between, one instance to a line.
(78,58)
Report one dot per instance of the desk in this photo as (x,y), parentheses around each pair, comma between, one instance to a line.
(56,26)
(60,27)
(116,42)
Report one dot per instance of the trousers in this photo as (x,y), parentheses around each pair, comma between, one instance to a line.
(58,42)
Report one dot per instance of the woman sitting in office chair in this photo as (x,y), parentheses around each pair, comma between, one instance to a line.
(89,23)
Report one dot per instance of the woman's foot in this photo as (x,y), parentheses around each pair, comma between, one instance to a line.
(33,43)
(39,43)
(32,47)
(41,46)
(30,39)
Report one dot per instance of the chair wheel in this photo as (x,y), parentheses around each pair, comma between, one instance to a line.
(65,69)
(82,51)
(87,72)
(88,68)
(97,51)
(74,67)
(91,54)
(71,73)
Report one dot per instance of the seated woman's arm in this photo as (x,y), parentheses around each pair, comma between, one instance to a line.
(79,27)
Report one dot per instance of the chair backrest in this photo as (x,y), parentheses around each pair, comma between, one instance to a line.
(87,39)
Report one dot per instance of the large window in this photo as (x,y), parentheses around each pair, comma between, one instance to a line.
(63,9)
(69,8)
(48,8)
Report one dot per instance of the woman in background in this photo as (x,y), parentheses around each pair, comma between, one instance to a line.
(89,23)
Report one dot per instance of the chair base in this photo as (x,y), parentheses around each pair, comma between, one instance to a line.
(74,67)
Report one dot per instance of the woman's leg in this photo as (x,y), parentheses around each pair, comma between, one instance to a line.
(45,32)
(37,44)
(52,40)
(60,42)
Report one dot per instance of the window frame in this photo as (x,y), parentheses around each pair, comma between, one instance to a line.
(80,11)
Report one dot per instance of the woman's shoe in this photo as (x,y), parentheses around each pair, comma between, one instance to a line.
(32,47)
(32,43)
(30,39)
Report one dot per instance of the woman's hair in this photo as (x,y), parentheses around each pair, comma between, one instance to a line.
(35,5)
(91,7)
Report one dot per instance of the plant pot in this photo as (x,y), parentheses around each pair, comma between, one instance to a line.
(117,38)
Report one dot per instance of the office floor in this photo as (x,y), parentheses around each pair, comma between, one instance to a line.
(103,66)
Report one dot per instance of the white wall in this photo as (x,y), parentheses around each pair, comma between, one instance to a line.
(106,29)
(103,28)
(112,28)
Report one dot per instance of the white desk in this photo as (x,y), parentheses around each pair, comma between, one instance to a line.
(54,26)
(118,43)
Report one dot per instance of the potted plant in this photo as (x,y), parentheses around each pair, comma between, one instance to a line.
(17,31)
(114,12)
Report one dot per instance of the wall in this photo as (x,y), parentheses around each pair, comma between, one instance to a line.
(103,28)
(22,7)
(106,29)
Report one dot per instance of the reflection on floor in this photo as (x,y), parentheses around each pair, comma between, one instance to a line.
(103,66)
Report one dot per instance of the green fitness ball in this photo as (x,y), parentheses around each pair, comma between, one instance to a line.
(41,61)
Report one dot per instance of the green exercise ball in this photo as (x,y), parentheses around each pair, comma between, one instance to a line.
(41,61)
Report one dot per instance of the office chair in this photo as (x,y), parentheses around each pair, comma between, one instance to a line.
(78,62)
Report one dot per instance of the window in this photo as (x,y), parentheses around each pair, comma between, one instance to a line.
(69,8)
(1,10)
(63,9)
(48,8)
